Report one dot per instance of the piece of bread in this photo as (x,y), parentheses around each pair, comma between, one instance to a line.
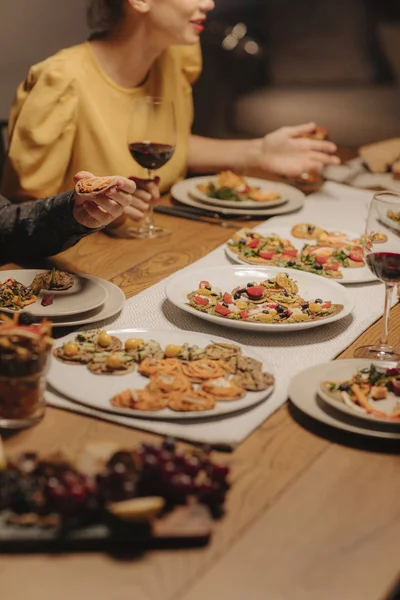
(319,133)
(396,169)
(379,157)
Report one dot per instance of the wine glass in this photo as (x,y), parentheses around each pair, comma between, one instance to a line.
(382,254)
(151,142)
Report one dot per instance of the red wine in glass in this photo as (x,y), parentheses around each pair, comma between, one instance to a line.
(385,265)
(151,156)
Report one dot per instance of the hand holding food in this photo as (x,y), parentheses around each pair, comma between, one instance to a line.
(100,200)
(292,151)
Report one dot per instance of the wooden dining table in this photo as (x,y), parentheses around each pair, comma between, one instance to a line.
(313,513)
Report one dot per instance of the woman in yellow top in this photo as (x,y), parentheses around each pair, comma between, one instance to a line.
(72,111)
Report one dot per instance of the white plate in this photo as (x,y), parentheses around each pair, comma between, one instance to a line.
(350,275)
(262,184)
(343,372)
(86,294)
(303,392)
(227,278)
(96,391)
(181,192)
(112,306)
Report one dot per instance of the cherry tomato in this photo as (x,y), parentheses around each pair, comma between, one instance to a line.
(290,252)
(256,291)
(334,266)
(267,254)
(321,260)
(222,310)
(228,298)
(204,284)
(253,243)
(326,304)
(357,254)
(200,300)
(245,314)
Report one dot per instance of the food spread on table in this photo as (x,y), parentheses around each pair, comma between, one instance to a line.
(374,390)
(16,296)
(273,301)
(181,377)
(329,252)
(230,186)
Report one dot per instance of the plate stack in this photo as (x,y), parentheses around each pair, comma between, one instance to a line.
(191,193)
(87,300)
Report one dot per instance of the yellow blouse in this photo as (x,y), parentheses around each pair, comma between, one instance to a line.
(70,116)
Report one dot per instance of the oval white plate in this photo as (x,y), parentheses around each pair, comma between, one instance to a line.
(350,275)
(304,393)
(227,278)
(86,294)
(262,184)
(344,372)
(181,191)
(96,391)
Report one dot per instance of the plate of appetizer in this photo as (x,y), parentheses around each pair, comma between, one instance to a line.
(235,191)
(305,247)
(305,393)
(367,390)
(50,293)
(167,375)
(267,299)
(184,191)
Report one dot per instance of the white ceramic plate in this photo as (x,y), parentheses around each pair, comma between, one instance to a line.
(303,392)
(96,391)
(181,191)
(112,306)
(351,275)
(344,372)
(262,184)
(227,278)
(86,294)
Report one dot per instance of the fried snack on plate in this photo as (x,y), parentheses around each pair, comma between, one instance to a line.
(191,401)
(139,400)
(94,185)
(223,390)
(164,383)
(307,231)
(201,370)
(167,366)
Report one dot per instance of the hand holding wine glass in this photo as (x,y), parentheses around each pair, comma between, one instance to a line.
(151,142)
(382,254)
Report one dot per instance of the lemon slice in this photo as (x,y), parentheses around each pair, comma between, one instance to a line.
(137,509)
(3,460)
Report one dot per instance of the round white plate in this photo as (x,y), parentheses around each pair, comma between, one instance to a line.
(86,294)
(295,199)
(344,372)
(112,306)
(303,392)
(262,184)
(350,275)
(227,278)
(96,391)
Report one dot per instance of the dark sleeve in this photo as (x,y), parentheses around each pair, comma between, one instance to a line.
(39,228)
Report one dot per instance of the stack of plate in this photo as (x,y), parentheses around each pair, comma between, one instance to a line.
(309,395)
(90,299)
(291,199)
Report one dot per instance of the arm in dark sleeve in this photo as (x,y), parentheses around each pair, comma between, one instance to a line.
(39,228)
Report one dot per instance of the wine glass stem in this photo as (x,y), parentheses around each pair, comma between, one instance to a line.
(149,218)
(385,325)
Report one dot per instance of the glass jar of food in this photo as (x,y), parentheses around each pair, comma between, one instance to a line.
(24,360)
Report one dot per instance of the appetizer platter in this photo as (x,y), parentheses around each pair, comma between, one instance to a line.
(235,191)
(150,495)
(306,394)
(185,192)
(306,247)
(370,392)
(260,298)
(49,293)
(168,375)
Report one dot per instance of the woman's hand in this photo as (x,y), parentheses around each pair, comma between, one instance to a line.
(99,210)
(286,152)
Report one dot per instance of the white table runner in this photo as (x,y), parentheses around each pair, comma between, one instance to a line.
(336,207)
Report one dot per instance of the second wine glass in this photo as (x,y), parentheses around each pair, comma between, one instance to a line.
(151,142)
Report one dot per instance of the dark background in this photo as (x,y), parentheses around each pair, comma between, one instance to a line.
(293,61)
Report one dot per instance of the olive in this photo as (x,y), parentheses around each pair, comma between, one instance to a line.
(304,305)
(250,284)
(343,387)
(280,309)
(225,304)
(291,263)
(104,339)
(318,267)
(266,312)
(236,296)
(318,301)
(208,287)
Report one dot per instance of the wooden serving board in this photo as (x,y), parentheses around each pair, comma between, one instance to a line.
(185,526)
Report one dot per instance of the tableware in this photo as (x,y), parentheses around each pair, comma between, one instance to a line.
(186,214)
(96,391)
(304,393)
(151,142)
(86,294)
(350,275)
(229,277)
(344,372)
(181,192)
(261,184)
(382,255)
